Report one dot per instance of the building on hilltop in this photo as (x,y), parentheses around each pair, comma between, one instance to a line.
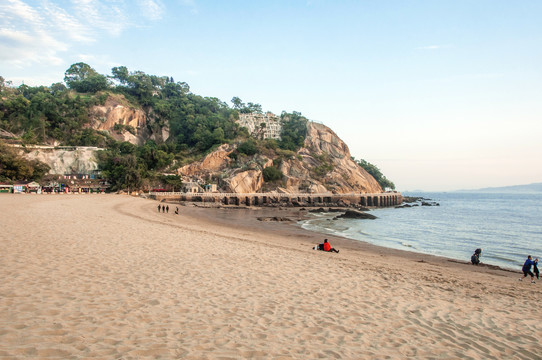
(262,126)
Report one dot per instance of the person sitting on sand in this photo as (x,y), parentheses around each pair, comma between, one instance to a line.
(326,247)
(475,258)
(527,268)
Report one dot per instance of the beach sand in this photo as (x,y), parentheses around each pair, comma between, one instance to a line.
(108,277)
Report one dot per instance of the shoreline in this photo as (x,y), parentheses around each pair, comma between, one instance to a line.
(225,216)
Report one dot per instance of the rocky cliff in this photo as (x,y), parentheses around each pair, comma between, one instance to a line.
(323,165)
(124,122)
(323,145)
(77,160)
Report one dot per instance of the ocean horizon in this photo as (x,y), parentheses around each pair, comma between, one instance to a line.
(506,226)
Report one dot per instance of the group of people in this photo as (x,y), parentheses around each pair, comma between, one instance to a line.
(165,209)
(527,266)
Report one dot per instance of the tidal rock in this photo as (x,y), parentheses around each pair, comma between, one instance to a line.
(352,214)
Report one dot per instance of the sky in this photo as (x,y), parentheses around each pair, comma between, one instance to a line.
(440,95)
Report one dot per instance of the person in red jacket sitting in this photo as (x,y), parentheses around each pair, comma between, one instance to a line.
(327,247)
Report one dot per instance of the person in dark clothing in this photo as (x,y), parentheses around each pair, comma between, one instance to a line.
(527,268)
(167,209)
(535,269)
(475,258)
(177,210)
(159,207)
(163,208)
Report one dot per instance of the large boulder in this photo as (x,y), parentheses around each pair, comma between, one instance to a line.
(245,182)
(352,214)
(213,162)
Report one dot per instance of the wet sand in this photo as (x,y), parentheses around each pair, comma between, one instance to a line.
(107,276)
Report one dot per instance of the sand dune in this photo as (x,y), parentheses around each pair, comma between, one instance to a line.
(107,276)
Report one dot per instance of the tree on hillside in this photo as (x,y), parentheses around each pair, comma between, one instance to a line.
(375,172)
(237,103)
(243,108)
(294,131)
(14,167)
(83,78)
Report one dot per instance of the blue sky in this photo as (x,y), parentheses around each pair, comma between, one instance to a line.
(440,95)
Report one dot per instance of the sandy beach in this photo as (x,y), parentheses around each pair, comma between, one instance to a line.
(108,277)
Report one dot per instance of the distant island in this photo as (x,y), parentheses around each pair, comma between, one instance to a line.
(529,188)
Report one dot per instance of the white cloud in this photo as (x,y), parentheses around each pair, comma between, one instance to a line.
(109,16)
(43,31)
(152,9)
(68,24)
(16,9)
(24,36)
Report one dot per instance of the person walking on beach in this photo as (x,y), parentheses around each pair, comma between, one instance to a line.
(177,210)
(167,209)
(535,269)
(163,209)
(527,268)
(159,207)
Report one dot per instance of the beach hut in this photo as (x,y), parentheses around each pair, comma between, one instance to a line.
(6,188)
(26,187)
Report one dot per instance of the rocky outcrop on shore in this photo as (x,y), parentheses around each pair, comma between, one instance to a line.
(323,148)
(412,201)
(323,165)
(352,214)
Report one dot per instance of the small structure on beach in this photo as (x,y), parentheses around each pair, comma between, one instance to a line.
(6,188)
(26,187)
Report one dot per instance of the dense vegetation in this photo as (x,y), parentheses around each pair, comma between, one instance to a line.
(59,115)
(376,173)
(14,167)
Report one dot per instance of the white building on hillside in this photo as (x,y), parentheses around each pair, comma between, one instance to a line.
(262,126)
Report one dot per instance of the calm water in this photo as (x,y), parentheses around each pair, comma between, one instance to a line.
(508,227)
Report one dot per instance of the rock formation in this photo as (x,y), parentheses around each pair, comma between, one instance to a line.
(338,173)
(124,122)
(323,165)
(79,160)
(216,161)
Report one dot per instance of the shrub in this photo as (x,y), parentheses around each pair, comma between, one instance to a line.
(271,173)
(249,147)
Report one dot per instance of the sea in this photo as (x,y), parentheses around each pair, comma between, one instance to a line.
(507,226)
